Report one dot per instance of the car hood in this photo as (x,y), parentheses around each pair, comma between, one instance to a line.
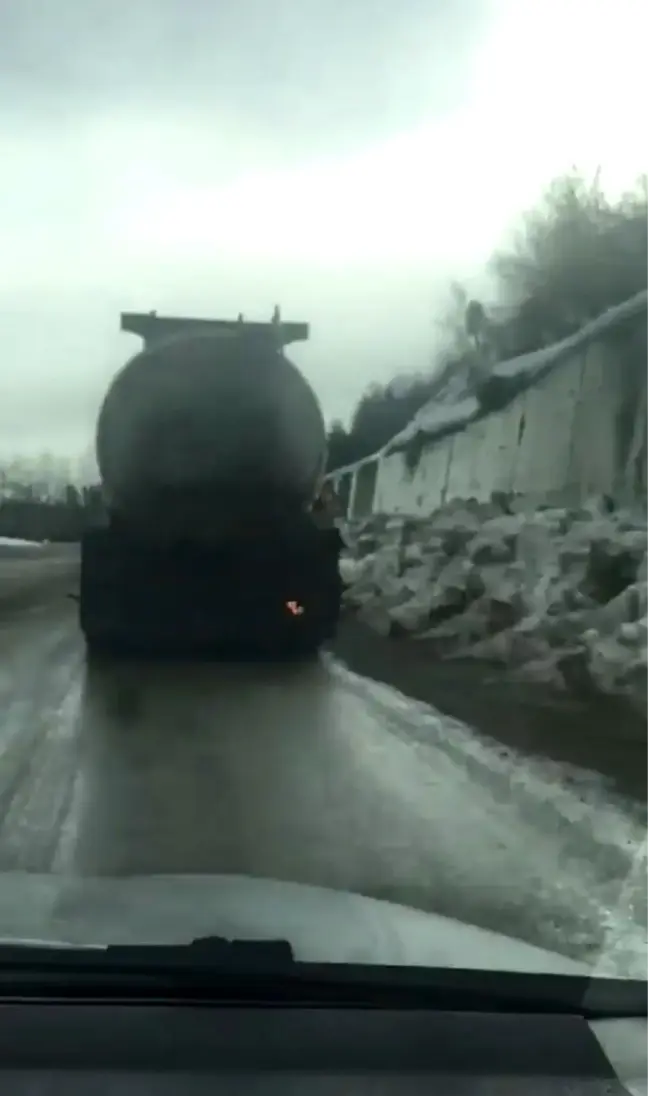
(322,925)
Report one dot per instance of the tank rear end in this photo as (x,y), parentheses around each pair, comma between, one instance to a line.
(205,426)
(210,452)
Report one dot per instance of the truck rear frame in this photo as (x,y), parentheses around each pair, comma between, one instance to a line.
(272,596)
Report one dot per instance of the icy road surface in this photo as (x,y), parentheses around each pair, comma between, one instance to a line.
(308,774)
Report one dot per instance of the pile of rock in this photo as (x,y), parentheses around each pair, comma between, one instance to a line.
(555,594)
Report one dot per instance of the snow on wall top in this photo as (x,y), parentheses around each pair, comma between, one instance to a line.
(455,406)
(435,418)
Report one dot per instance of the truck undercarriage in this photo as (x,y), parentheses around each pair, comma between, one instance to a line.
(270,597)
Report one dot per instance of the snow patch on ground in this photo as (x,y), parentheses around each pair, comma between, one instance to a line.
(12,542)
(557,595)
(550,853)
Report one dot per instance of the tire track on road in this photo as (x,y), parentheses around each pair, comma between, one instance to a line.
(40,678)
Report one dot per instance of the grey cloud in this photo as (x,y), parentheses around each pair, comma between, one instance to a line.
(281,80)
(318,73)
(61,347)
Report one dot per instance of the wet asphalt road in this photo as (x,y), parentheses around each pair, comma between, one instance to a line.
(309,774)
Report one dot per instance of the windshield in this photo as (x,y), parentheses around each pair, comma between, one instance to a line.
(323,479)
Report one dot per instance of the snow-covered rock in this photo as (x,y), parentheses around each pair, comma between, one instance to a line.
(350,570)
(556,594)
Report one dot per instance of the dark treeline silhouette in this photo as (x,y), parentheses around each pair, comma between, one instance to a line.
(33,517)
(39,520)
(381,412)
(575,255)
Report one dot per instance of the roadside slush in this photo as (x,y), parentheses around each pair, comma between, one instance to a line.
(33,577)
(604,736)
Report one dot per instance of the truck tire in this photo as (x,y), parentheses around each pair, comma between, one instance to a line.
(97,601)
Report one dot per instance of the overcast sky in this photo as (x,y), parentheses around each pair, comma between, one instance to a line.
(344,158)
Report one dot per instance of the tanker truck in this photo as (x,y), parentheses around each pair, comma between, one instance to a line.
(211,448)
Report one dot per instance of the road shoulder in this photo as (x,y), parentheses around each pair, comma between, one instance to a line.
(605,737)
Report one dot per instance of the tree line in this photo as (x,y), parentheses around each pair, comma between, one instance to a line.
(575,255)
(40,501)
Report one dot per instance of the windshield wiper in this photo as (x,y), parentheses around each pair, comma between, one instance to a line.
(208,951)
(216,969)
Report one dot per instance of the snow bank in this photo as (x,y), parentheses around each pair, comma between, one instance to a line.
(15,549)
(556,595)
(12,542)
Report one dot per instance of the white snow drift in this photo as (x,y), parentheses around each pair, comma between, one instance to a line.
(557,595)
(13,542)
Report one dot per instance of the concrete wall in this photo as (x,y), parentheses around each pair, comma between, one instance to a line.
(556,440)
(578,430)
